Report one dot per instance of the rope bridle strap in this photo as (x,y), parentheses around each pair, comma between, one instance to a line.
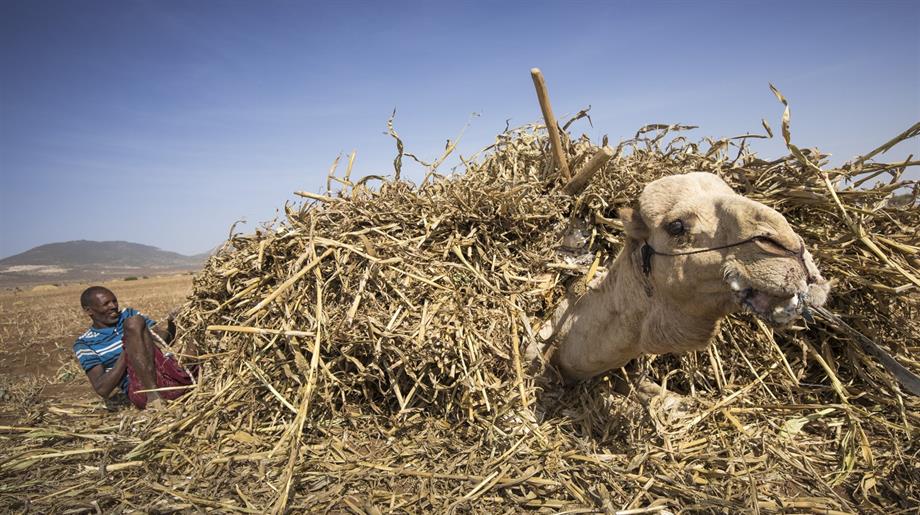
(647,251)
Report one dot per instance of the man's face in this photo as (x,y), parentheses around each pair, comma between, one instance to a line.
(103,309)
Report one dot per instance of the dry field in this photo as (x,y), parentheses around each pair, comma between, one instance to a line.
(38,372)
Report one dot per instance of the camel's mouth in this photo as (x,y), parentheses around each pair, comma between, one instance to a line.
(775,309)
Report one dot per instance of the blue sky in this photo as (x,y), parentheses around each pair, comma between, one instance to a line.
(163,122)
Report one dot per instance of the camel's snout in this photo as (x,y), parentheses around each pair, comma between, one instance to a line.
(780,284)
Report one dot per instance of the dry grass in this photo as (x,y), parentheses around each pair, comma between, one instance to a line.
(366,356)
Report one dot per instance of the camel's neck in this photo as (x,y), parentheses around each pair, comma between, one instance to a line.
(623,318)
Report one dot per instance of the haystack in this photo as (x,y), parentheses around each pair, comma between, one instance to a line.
(367,354)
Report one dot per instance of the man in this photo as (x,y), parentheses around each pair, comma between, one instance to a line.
(119,350)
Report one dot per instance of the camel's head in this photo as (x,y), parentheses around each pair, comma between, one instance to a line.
(714,252)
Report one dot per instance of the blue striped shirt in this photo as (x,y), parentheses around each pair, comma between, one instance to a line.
(103,346)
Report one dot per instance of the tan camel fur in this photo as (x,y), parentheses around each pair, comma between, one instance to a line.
(675,302)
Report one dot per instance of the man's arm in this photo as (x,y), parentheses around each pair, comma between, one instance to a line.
(104,382)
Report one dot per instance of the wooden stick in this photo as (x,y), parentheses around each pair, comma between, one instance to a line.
(551,127)
(597,161)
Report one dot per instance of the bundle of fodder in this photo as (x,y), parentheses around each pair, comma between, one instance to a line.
(368,354)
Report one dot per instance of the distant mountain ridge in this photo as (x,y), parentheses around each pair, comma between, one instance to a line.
(109,254)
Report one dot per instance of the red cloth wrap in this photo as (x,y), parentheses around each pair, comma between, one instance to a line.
(169,374)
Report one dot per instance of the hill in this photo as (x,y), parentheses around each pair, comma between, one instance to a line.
(109,253)
(89,260)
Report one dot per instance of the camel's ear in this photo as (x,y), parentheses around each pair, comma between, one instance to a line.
(633,223)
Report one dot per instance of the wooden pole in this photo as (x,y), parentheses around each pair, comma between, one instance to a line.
(551,127)
(597,161)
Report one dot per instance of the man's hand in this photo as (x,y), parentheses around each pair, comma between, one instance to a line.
(167,334)
(104,382)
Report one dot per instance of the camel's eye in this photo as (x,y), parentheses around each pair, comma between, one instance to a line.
(676,228)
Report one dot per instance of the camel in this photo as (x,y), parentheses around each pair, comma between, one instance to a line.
(695,251)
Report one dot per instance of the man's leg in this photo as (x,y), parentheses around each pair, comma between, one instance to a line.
(139,351)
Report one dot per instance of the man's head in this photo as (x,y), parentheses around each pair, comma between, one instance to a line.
(757,261)
(101,305)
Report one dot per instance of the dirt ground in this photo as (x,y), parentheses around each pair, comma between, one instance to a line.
(37,329)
